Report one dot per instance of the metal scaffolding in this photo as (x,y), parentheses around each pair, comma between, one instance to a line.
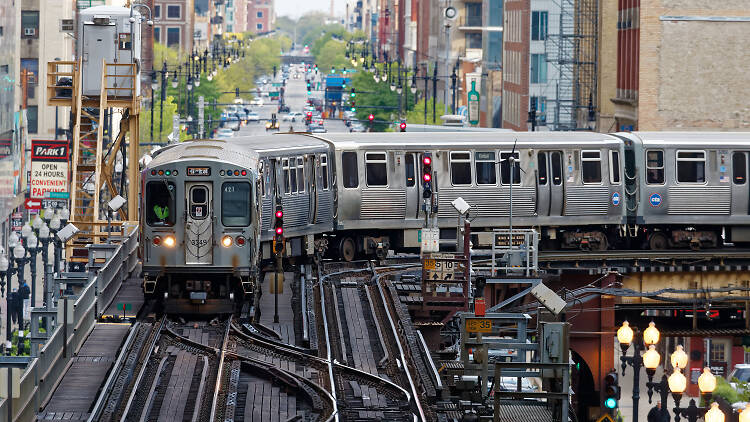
(573,51)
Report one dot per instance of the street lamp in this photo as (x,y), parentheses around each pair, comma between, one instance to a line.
(679,358)
(19,257)
(706,383)
(175,82)
(32,245)
(44,238)
(745,414)
(714,414)
(54,226)
(693,412)
(650,359)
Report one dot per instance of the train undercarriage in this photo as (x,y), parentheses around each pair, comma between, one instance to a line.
(203,293)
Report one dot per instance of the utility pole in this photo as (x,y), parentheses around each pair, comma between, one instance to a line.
(434,89)
(453,89)
(426,78)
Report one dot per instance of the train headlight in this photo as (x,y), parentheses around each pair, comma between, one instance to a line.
(170,241)
(226,241)
(240,241)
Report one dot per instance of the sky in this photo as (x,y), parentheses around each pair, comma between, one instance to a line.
(297,8)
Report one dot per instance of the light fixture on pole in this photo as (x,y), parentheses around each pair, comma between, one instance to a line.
(626,336)
(706,384)
(745,414)
(44,238)
(32,245)
(679,358)
(714,414)
(175,82)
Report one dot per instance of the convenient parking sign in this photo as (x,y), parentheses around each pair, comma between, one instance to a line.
(655,200)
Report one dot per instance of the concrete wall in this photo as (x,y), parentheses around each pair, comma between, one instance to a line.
(693,73)
(607,78)
(516,34)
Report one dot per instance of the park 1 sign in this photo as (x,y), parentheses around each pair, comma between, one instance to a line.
(49,167)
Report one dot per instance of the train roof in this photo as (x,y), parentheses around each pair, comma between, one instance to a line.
(691,139)
(432,140)
(282,142)
(217,150)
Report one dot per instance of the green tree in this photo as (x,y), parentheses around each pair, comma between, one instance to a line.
(164,117)
(416,114)
(376,98)
(332,54)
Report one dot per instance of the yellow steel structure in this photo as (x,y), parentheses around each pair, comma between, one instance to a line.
(92,167)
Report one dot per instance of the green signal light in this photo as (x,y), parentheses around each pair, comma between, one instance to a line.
(610,403)
(352,95)
(167,172)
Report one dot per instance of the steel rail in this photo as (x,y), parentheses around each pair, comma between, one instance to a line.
(144,367)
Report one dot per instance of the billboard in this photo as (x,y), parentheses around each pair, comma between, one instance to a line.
(49,167)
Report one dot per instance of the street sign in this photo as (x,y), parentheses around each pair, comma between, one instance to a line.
(49,167)
(479,325)
(33,204)
(57,195)
(124,306)
(444,267)
(429,240)
(273,94)
(605,418)
(54,203)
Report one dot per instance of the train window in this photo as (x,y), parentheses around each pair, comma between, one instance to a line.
(324,170)
(591,166)
(409,168)
(614,167)
(556,161)
(199,195)
(160,203)
(739,168)
(235,204)
(292,176)
(350,171)
(655,167)
(485,168)
(505,168)
(301,174)
(198,202)
(285,167)
(376,169)
(461,168)
(691,166)
(541,159)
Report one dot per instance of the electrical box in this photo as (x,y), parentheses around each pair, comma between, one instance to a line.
(106,33)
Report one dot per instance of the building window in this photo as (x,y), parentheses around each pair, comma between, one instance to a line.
(259,26)
(173,37)
(540,105)
(485,168)
(461,168)
(473,14)
(157,34)
(691,166)
(474,40)
(591,167)
(173,11)
(376,169)
(260,14)
(32,116)
(29,24)
(539,25)
(31,66)
(655,167)
(718,352)
(157,11)
(538,68)
(350,171)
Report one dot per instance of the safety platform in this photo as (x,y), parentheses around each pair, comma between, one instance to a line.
(285,327)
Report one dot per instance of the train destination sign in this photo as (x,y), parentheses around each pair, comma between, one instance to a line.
(49,167)
(199,171)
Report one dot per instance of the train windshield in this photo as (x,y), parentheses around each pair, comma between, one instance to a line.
(235,204)
(160,203)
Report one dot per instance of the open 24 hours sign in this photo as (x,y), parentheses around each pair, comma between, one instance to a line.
(49,167)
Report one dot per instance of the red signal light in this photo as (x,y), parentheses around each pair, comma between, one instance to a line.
(402,125)
(244,172)
(309,114)
(427,177)
(427,161)
(279,214)
(279,230)
(371,117)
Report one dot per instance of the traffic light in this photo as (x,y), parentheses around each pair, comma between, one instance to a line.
(274,71)
(353,94)
(237,92)
(402,127)
(611,390)
(371,117)
(278,228)
(427,175)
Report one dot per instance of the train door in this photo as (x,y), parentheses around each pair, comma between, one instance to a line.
(740,191)
(198,224)
(550,181)
(411,173)
(312,171)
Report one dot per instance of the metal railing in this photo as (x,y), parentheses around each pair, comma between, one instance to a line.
(45,370)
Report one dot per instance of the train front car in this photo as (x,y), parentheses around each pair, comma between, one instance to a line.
(199,234)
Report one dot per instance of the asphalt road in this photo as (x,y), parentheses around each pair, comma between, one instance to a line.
(295,98)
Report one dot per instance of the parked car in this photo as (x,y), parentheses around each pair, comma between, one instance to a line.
(741,372)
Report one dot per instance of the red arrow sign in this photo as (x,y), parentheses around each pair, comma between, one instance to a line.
(33,204)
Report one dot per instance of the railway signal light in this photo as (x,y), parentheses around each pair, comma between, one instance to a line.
(402,127)
(427,175)
(611,390)
(278,228)
(353,94)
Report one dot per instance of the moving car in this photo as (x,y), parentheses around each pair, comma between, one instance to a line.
(357,127)
(257,101)
(253,117)
(292,117)
(224,133)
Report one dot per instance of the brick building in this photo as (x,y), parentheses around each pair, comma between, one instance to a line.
(174,23)
(682,65)
(516,33)
(260,16)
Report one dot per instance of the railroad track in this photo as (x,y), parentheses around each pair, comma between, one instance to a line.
(180,373)
(367,370)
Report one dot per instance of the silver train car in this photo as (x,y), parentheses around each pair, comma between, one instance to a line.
(199,230)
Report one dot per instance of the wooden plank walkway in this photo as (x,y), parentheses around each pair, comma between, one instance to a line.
(285,326)
(265,402)
(78,390)
(130,292)
(359,336)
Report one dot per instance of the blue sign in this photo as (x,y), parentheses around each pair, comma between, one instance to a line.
(655,200)
(616,198)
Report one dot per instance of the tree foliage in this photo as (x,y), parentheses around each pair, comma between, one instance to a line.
(162,117)
(332,54)
(416,114)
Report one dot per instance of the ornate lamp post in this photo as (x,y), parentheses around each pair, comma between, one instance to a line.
(54,225)
(44,238)
(19,257)
(4,271)
(745,414)
(650,359)
(706,385)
